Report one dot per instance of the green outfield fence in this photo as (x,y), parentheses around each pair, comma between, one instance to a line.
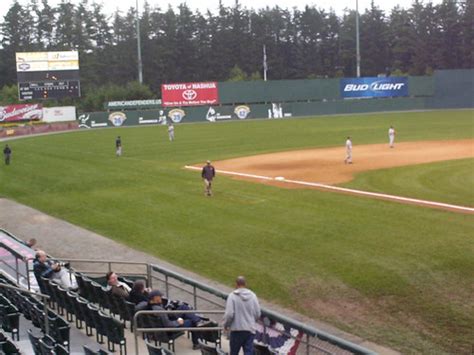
(445,89)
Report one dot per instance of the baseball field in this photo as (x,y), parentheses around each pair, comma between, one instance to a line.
(398,274)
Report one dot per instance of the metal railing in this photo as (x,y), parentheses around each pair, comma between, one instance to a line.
(44,298)
(294,324)
(137,330)
(19,271)
(145,273)
(199,291)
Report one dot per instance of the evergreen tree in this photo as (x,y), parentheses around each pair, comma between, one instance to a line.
(186,45)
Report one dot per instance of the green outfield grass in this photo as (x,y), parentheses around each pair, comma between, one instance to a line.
(396,274)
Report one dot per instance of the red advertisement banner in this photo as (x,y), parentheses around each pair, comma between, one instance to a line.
(12,113)
(189,94)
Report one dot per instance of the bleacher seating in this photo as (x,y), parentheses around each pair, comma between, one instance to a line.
(33,310)
(97,294)
(210,350)
(152,321)
(81,311)
(260,349)
(7,346)
(89,351)
(104,315)
(157,350)
(9,317)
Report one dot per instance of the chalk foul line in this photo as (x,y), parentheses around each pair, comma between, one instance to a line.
(346,190)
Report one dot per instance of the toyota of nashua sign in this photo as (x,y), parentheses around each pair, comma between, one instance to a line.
(189,94)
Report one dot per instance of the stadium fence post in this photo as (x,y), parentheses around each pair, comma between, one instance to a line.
(148,275)
(17,273)
(195,296)
(46,316)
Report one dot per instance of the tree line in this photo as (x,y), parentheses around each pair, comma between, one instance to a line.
(184,45)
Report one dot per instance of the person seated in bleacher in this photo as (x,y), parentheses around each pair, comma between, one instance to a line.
(117,287)
(155,303)
(139,292)
(47,268)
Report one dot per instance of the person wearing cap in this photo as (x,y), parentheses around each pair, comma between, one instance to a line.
(208,173)
(242,312)
(155,303)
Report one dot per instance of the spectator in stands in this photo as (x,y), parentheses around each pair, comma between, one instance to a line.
(155,303)
(31,243)
(117,287)
(139,292)
(44,267)
(241,314)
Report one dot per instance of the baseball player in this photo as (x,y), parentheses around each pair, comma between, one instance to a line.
(171,131)
(208,173)
(391,136)
(118,146)
(348,159)
(7,153)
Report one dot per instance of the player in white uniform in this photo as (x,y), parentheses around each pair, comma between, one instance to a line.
(348,159)
(391,136)
(171,131)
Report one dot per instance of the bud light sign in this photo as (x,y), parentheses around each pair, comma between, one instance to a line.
(374,87)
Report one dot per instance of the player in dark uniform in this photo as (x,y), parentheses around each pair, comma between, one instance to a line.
(7,152)
(208,173)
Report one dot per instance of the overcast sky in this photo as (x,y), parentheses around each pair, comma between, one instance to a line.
(337,5)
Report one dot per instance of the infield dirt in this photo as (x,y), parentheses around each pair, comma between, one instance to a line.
(326,165)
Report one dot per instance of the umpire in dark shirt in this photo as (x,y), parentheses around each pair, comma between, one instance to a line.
(208,173)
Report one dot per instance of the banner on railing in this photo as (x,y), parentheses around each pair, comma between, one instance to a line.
(280,337)
(374,87)
(13,113)
(189,94)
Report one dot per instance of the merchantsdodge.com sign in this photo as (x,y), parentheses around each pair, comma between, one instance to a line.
(374,87)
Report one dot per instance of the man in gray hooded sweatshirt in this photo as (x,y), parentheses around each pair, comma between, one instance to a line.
(241,314)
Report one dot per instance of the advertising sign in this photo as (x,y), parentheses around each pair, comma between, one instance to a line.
(12,113)
(374,87)
(189,94)
(134,104)
(59,114)
(47,61)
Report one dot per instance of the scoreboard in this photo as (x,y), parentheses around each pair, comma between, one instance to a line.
(49,89)
(48,75)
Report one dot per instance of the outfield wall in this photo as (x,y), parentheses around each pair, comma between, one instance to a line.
(258,99)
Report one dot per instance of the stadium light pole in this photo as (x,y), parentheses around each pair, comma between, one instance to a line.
(139,50)
(357,39)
